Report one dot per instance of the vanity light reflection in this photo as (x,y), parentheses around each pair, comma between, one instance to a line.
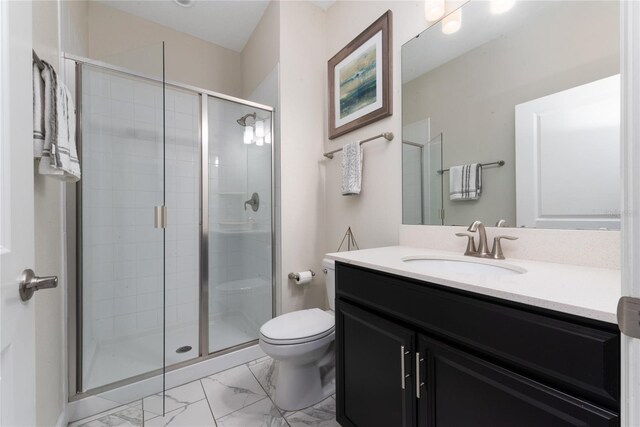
(433,10)
(501,6)
(452,22)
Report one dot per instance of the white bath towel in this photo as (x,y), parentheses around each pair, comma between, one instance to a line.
(465,182)
(38,112)
(351,169)
(59,155)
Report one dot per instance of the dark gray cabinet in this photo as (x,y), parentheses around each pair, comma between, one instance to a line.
(410,353)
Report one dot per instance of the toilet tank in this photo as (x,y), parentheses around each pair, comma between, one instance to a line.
(329,266)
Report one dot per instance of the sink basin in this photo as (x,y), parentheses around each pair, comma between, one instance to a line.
(430,265)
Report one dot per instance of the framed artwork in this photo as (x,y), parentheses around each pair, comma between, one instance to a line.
(360,88)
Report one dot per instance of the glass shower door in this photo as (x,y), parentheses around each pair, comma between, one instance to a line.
(239,222)
(121,262)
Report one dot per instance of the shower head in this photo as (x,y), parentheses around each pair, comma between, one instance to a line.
(242,121)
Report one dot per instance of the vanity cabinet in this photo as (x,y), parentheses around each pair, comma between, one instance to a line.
(411,353)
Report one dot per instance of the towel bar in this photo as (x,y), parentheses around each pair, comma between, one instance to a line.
(499,163)
(386,135)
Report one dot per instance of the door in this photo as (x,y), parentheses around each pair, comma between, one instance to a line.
(373,370)
(464,390)
(17,323)
(630,77)
(579,127)
(128,260)
(237,219)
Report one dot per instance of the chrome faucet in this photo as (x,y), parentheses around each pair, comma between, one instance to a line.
(482,237)
(481,251)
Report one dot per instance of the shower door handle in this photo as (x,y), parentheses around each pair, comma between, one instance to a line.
(30,283)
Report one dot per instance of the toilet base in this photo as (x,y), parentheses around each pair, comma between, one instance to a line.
(301,386)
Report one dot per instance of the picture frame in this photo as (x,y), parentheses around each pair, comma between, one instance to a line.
(360,79)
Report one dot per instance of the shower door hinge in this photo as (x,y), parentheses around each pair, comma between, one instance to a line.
(441,213)
(160,216)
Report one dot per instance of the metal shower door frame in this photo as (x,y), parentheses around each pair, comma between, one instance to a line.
(73,203)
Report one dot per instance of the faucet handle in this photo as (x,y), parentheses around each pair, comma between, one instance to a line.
(501,223)
(496,252)
(471,244)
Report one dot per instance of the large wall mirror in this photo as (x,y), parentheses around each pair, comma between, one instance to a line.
(533,95)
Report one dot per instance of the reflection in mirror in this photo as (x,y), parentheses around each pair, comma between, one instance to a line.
(421,177)
(533,95)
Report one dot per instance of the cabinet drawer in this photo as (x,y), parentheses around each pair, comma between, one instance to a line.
(574,356)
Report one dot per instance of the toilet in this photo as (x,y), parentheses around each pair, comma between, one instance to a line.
(302,343)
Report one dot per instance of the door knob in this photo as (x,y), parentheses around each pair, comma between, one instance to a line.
(29,283)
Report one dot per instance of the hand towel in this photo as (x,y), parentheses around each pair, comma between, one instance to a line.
(351,169)
(38,112)
(59,156)
(465,182)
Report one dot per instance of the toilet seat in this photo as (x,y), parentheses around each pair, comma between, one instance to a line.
(298,327)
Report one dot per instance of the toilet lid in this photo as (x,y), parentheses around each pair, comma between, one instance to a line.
(298,325)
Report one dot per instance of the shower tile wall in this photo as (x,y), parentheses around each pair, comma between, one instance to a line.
(122,154)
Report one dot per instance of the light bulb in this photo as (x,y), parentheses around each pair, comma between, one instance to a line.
(501,6)
(259,129)
(267,131)
(452,22)
(433,9)
(260,142)
(248,135)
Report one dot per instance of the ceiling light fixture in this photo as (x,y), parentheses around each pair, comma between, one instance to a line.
(184,3)
(501,6)
(433,10)
(452,22)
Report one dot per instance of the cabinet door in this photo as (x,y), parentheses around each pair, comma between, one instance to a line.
(463,390)
(374,359)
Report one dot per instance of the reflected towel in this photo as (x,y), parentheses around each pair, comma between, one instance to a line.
(465,182)
(59,156)
(351,169)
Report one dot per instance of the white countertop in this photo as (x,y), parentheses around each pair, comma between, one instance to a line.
(582,291)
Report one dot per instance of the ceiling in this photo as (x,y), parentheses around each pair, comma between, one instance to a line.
(227,23)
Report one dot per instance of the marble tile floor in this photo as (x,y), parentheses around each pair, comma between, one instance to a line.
(238,397)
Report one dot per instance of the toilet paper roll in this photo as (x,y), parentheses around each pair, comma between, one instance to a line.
(305,277)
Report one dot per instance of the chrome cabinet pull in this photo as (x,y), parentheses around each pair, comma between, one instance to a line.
(30,283)
(419,384)
(402,370)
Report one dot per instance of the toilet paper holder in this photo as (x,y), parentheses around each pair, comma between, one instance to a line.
(296,276)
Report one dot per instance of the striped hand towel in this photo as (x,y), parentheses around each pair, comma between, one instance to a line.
(465,182)
(38,112)
(59,156)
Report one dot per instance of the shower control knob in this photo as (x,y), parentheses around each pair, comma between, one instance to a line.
(29,283)
(254,202)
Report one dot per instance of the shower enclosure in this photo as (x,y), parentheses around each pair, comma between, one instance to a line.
(173,244)
(422,181)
